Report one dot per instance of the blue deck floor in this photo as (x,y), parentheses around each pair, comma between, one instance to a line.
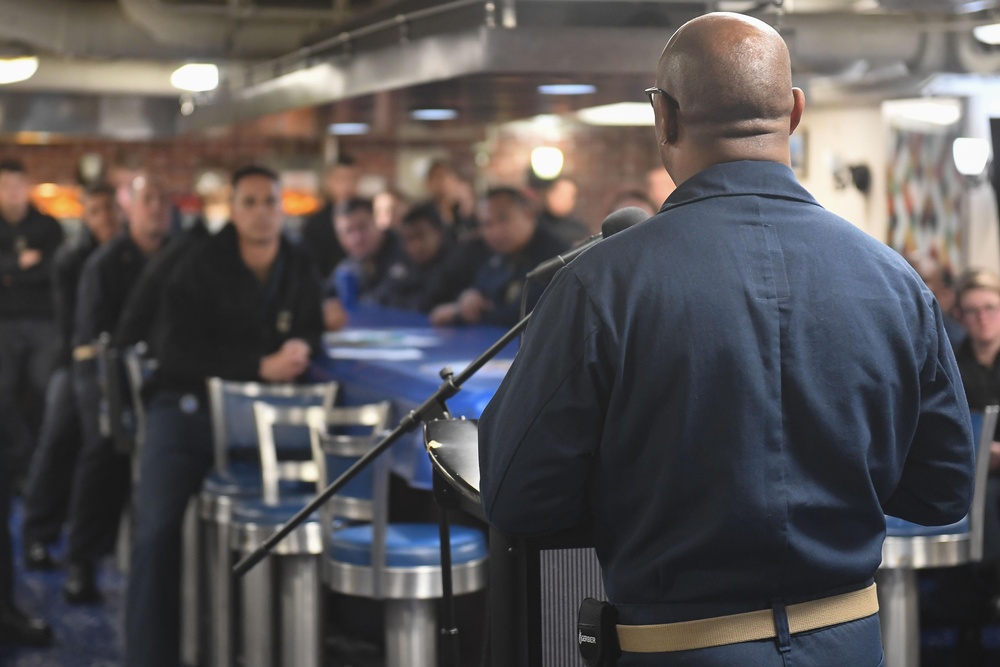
(85,636)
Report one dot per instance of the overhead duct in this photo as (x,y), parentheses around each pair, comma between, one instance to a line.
(92,30)
(250,37)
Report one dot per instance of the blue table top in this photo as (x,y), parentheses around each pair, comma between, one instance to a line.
(397,356)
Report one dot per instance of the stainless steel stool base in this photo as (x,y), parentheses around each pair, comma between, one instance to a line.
(216,514)
(410,633)
(898,602)
(191,569)
(282,610)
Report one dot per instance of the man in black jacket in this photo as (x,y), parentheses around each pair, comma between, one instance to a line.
(319,239)
(244,306)
(47,488)
(101,481)
(28,242)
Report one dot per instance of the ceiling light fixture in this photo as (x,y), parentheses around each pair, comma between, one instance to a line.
(567,89)
(987,34)
(937,111)
(196,77)
(348,129)
(623,113)
(546,162)
(970,155)
(433,114)
(13,70)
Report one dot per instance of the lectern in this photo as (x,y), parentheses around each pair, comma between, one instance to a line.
(535,585)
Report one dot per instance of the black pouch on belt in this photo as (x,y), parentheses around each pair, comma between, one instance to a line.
(597,633)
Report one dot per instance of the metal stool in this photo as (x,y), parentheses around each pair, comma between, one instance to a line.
(233,482)
(282,610)
(909,547)
(289,581)
(397,563)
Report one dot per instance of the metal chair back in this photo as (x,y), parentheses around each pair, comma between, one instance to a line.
(348,434)
(977,513)
(234,430)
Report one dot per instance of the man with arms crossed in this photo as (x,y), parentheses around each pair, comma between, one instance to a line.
(731,394)
(244,306)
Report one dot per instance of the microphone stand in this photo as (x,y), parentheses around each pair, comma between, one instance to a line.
(433,407)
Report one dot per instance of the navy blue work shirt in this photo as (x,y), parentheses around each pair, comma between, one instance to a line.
(731,394)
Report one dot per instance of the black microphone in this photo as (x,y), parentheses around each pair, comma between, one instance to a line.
(621,219)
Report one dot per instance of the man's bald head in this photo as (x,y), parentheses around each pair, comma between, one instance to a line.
(731,78)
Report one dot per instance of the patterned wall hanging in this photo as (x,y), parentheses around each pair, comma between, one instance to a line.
(925,197)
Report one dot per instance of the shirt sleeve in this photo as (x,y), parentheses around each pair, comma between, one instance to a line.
(89,303)
(46,240)
(938,476)
(541,432)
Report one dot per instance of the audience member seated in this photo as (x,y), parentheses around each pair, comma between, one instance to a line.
(514,244)
(28,242)
(632,197)
(102,479)
(558,204)
(371,251)
(426,249)
(389,207)
(47,488)
(141,316)
(244,306)
(969,596)
(449,195)
(319,240)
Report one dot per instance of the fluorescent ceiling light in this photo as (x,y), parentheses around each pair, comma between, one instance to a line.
(546,162)
(567,89)
(970,155)
(938,111)
(433,114)
(196,77)
(623,113)
(987,34)
(13,70)
(346,129)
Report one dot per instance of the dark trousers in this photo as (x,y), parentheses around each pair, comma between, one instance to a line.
(6,544)
(50,478)
(27,349)
(858,644)
(102,478)
(176,456)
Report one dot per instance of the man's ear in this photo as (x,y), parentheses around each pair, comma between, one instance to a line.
(672,120)
(667,123)
(798,106)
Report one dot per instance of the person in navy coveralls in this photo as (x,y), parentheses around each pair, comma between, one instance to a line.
(732,394)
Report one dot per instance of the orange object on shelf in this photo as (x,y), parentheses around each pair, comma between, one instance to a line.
(295,202)
(60,201)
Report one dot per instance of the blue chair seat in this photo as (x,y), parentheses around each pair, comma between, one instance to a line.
(407,545)
(256,511)
(896,527)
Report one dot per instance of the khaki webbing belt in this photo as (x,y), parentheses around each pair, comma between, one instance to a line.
(747,627)
(84,352)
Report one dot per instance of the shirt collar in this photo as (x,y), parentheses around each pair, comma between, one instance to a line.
(746,177)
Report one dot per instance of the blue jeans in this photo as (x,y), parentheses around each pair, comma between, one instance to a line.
(175,459)
(854,644)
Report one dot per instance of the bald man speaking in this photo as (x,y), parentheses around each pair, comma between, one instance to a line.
(732,394)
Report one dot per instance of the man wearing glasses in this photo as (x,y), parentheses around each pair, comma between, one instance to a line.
(731,395)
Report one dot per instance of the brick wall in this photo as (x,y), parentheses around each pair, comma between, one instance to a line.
(601,160)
